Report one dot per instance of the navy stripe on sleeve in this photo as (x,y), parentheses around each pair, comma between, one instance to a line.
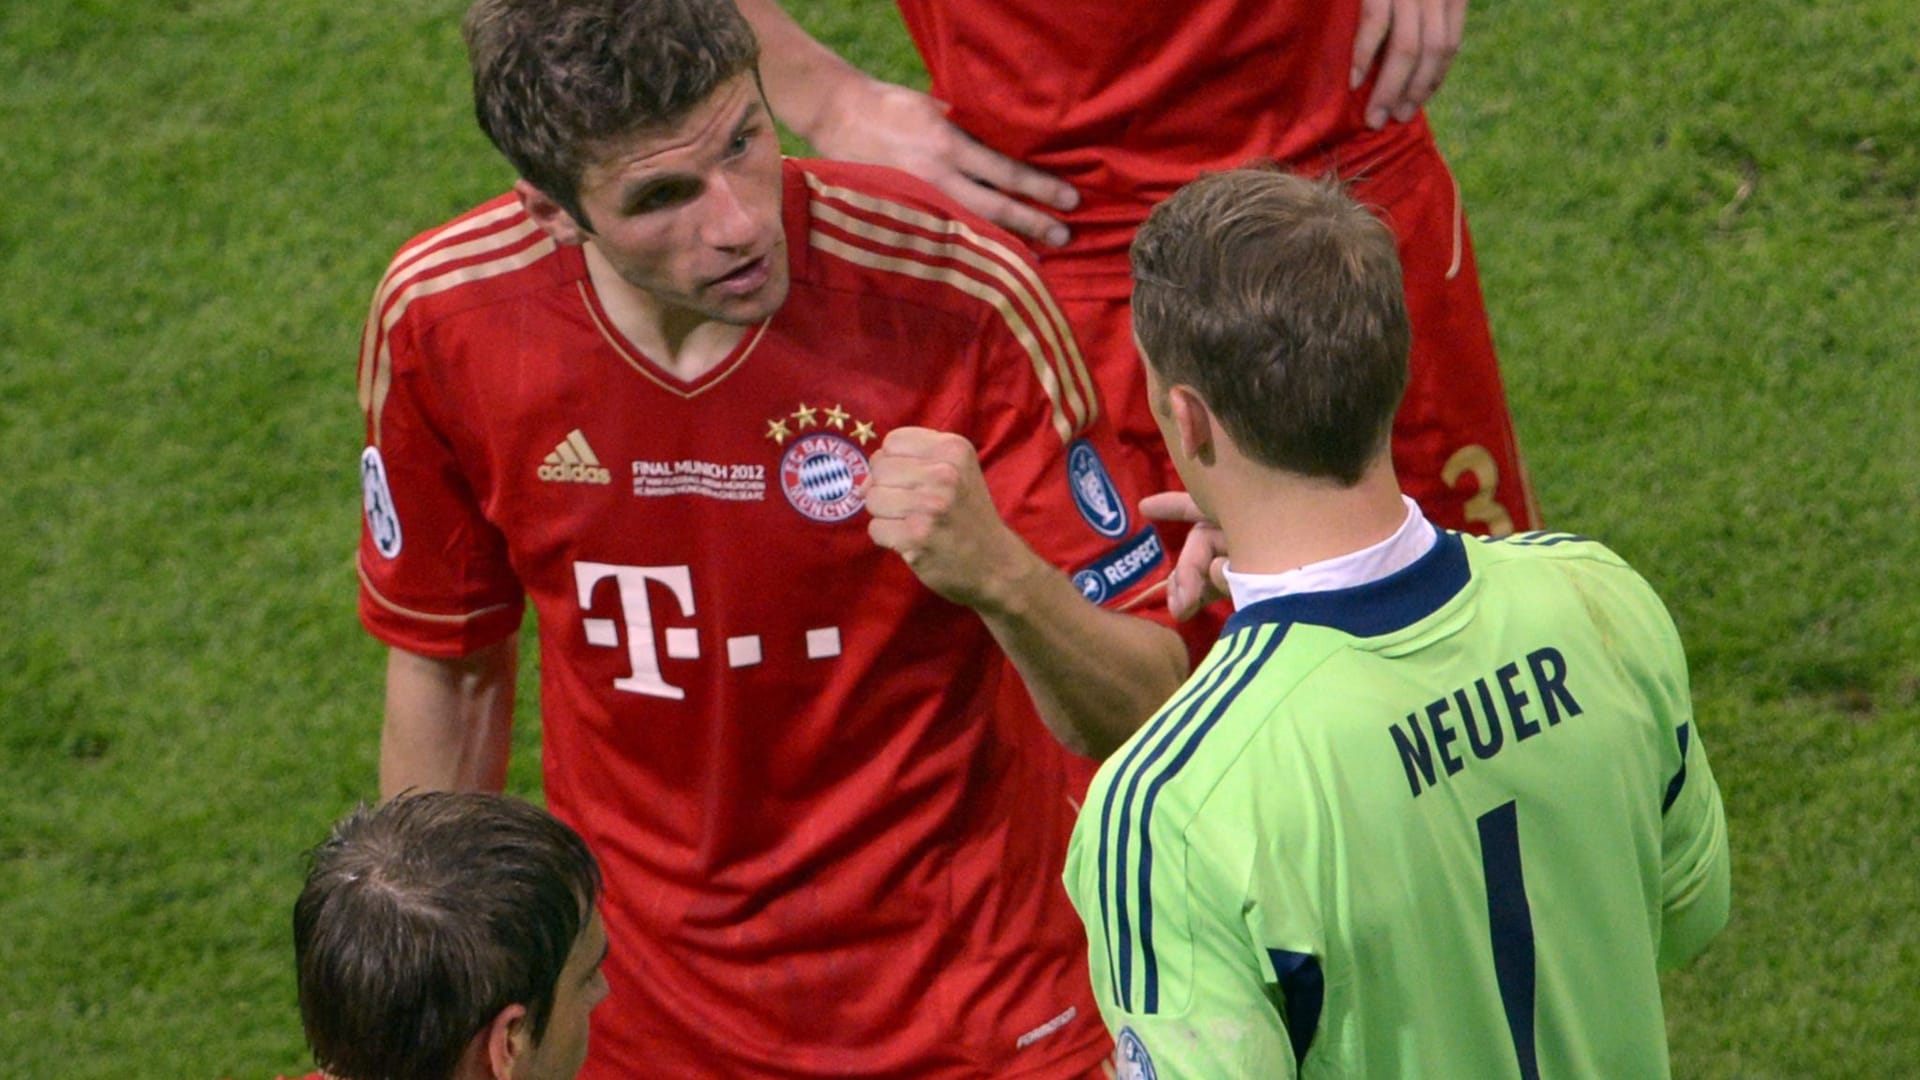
(1303,993)
(1149,959)
(1184,705)
(1679,778)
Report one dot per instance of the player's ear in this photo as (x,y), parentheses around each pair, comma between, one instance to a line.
(554,220)
(1193,424)
(502,1044)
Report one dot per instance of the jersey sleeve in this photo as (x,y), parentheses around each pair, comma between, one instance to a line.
(1696,870)
(1176,913)
(434,574)
(1046,448)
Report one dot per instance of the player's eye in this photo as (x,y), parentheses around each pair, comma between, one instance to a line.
(660,196)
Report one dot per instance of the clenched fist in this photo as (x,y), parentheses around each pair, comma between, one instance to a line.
(929,502)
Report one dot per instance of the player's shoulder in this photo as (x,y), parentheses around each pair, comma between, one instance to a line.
(1524,561)
(1200,738)
(883,189)
(1542,546)
(874,228)
(491,252)
(888,253)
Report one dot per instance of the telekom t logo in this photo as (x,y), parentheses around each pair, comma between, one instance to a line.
(682,642)
(679,642)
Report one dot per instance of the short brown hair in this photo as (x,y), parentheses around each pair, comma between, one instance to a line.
(1279,300)
(423,918)
(553,80)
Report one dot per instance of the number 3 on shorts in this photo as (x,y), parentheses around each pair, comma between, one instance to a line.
(1481,506)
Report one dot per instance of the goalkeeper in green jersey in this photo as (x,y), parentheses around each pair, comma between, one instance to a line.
(1434,805)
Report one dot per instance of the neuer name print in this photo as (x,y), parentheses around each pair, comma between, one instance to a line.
(1486,711)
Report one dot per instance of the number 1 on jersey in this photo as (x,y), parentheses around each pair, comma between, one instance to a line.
(1510,923)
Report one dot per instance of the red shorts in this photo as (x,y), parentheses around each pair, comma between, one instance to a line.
(1453,442)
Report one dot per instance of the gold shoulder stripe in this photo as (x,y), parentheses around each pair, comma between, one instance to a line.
(374,388)
(477,223)
(404,264)
(907,215)
(425,616)
(411,264)
(1067,380)
(965,244)
(1057,339)
(994,298)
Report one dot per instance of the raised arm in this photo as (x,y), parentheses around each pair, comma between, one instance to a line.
(1095,675)
(449,722)
(847,114)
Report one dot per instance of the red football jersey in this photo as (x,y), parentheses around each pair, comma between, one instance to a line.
(827,851)
(1129,99)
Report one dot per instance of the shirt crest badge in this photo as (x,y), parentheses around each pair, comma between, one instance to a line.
(823,469)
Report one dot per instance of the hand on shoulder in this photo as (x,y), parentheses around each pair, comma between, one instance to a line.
(882,123)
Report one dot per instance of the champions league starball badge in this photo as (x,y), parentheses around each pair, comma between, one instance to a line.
(821,474)
(1094,493)
(383,523)
(1130,1057)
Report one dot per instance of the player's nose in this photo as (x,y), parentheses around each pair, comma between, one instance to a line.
(729,220)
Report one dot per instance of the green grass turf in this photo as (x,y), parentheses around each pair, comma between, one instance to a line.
(1697,232)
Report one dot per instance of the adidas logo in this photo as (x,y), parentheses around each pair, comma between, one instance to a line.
(574,462)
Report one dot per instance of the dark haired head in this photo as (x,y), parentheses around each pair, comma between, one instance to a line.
(556,80)
(423,918)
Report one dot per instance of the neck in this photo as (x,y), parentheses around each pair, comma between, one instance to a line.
(1276,521)
(684,343)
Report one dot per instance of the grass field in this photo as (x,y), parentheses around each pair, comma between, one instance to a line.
(1699,233)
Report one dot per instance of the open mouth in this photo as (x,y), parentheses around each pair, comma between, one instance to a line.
(744,278)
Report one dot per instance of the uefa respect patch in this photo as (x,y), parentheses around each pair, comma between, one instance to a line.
(821,474)
(1094,492)
(1121,567)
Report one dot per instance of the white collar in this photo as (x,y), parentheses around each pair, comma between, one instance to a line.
(1415,537)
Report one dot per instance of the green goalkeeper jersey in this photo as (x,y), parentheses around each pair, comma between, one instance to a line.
(1446,824)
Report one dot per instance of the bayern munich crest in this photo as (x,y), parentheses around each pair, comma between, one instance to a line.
(821,474)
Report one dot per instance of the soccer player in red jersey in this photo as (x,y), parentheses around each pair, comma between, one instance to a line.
(791,459)
(1089,112)
(449,936)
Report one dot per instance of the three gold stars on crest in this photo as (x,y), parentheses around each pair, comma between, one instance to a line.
(806,416)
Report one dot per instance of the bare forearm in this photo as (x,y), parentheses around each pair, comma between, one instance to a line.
(847,114)
(1095,675)
(800,75)
(449,723)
